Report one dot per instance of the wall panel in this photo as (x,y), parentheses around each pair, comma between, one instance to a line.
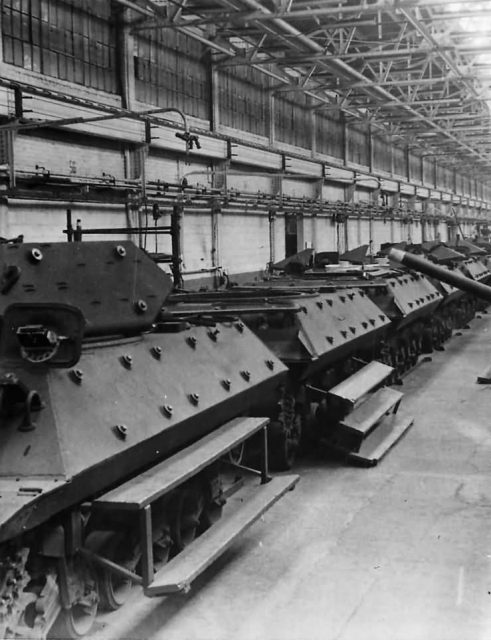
(415,168)
(326,234)
(441,177)
(382,154)
(428,172)
(298,188)
(279,238)
(244,100)
(245,242)
(400,161)
(292,120)
(329,135)
(416,232)
(381,232)
(357,145)
(362,195)
(353,233)
(171,71)
(68,157)
(308,227)
(44,221)
(196,240)
(250,183)
(443,231)
(159,166)
(333,192)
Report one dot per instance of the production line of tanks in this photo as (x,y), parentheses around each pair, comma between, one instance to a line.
(137,422)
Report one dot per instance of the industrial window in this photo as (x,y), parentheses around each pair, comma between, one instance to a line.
(170,72)
(357,145)
(329,135)
(68,39)
(440,177)
(400,161)
(382,154)
(293,121)
(244,100)
(415,167)
(459,183)
(428,171)
(450,181)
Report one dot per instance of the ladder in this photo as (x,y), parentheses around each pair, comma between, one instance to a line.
(369,424)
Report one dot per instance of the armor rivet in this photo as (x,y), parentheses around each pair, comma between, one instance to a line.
(127,361)
(167,410)
(76,375)
(156,352)
(121,431)
(193,398)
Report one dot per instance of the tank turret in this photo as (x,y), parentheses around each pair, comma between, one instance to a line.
(117,287)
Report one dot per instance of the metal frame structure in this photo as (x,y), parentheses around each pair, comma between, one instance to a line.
(408,68)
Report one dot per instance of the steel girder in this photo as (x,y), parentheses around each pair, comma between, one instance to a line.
(409,68)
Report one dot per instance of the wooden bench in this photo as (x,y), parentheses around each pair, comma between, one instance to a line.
(351,390)
(178,574)
(137,495)
(362,419)
(150,485)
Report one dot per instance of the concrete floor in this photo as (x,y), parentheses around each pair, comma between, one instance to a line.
(401,551)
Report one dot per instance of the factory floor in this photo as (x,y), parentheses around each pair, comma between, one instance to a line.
(401,551)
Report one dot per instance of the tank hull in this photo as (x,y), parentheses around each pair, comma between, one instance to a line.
(117,420)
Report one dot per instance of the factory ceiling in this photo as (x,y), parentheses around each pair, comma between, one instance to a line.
(416,70)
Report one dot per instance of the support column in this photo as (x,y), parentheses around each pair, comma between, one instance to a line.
(370,148)
(314,230)
(4,218)
(312,123)
(345,139)
(319,198)
(271,119)
(214,94)
(125,57)
(272,236)
(216,216)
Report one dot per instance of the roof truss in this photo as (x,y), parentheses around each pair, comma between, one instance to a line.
(408,67)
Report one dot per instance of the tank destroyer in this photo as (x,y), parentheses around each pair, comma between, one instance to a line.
(409,301)
(458,307)
(113,432)
(453,278)
(328,341)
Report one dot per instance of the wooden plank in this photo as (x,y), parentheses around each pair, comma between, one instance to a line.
(178,574)
(388,432)
(485,377)
(162,478)
(371,410)
(360,383)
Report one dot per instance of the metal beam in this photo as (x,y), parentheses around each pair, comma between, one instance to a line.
(334,76)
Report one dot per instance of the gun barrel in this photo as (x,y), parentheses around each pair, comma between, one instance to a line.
(454,278)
